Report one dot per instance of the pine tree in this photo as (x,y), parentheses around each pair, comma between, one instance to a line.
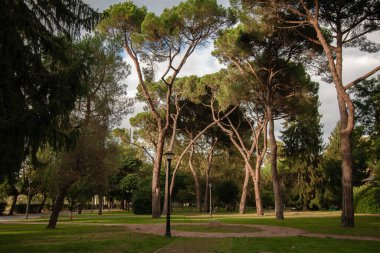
(303,145)
(41,75)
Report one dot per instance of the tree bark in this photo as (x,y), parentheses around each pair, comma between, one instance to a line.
(347,192)
(156,189)
(244,190)
(14,201)
(208,174)
(275,178)
(42,204)
(58,204)
(196,181)
(100,209)
(256,182)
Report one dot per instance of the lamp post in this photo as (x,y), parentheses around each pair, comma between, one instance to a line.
(169,156)
(210,200)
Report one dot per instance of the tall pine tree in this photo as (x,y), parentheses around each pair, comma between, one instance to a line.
(40,75)
(302,139)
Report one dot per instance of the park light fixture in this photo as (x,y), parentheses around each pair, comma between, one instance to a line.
(169,156)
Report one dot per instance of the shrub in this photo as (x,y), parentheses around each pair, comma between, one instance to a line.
(142,200)
(367,199)
(3,205)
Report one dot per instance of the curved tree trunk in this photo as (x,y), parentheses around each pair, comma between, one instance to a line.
(275,178)
(196,181)
(243,197)
(14,201)
(57,207)
(42,204)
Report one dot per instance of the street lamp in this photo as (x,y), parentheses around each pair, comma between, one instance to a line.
(169,156)
(210,200)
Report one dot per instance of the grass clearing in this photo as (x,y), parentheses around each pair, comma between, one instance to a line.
(81,238)
(74,236)
(314,222)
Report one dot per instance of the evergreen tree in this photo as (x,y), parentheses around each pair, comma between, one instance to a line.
(41,75)
(302,137)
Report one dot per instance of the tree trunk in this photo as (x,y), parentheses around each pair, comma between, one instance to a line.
(275,178)
(80,209)
(206,207)
(14,201)
(244,191)
(196,181)
(256,182)
(347,193)
(57,207)
(100,209)
(164,209)
(42,204)
(156,190)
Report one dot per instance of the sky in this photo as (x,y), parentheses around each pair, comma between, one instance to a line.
(201,62)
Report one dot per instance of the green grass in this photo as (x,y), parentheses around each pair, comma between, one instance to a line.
(274,245)
(364,225)
(75,238)
(81,238)
(223,229)
(315,222)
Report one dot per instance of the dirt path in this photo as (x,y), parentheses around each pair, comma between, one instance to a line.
(264,231)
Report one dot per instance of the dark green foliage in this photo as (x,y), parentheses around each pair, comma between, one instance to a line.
(367,199)
(3,205)
(142,199)
(367,102)
(227,194)
(302,137)
(41,75)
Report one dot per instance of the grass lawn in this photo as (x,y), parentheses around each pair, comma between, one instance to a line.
(80,238)
(73,236)
(315,222)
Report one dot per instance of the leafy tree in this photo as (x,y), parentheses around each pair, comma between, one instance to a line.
(95,155)
(171,38)
(348,23)
(42,75)
(269,63)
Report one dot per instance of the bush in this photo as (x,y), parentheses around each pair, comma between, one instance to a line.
(367,199)
(142,200)
(3,205)
(21,208)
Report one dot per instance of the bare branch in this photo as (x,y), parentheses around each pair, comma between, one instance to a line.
(346,87)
